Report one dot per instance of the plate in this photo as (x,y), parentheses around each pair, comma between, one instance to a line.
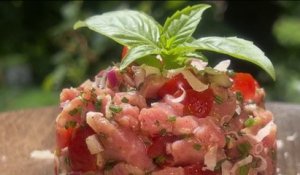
(28,138)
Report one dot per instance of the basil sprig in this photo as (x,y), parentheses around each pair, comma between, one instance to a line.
(173,42)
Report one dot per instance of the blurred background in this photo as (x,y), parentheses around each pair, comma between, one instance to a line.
(40,53)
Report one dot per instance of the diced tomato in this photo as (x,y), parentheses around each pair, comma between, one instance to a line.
(158,146)
(246,84)
(172,86)
(80,157)
(124,51)
(198,104)
(63,137)
(196,169)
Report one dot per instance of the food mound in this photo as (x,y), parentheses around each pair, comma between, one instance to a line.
(178,117)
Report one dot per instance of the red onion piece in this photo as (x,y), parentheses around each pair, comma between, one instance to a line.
(112,78)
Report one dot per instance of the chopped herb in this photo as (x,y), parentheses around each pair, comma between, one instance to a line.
(70,124)
(197,146)
(159,160)
(218,99)
(172,119)
(243,170)
(93,93)
(156,123)
(239,96)
(249,122)
(75,111)
(244,149)
(81,97)
(185,136)
(125,100)
(115,109)
(98,104)
(163,132)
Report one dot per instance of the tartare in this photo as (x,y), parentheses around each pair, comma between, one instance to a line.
(172,115)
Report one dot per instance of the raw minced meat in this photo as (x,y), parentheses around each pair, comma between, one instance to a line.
(128,122)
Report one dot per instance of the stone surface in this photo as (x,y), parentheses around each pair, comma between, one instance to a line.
(25,131)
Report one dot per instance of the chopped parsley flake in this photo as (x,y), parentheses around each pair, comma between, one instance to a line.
(70,124)
(244,149)
(125,100)
(81,97)
(197,146)
(243,170)
(75,111)
(249,122)
(159,160)
(239,96)
(98,104)
(218,99)
(115,109)
(163,132)
(185,136)
(172,119)
(93,93)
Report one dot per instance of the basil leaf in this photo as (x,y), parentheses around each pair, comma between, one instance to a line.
(150,60)
(136,53)
(235,47)
(127,27)
(179,27)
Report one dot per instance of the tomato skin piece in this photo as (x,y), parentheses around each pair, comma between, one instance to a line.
(158,146)
(173,85)
(124,52)
(196,169)
(246,84)
(198,104)
(81,159)
(63,137)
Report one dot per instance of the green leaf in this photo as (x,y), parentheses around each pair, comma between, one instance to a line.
(115,109)
(150,60)
(197,55)
(70,124)
(244,149)
(244,170)
(249,122)
(127,27)
(181,25)
(235,47)
(137,53)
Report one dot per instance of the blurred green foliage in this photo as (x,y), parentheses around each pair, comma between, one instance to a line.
(40,53)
